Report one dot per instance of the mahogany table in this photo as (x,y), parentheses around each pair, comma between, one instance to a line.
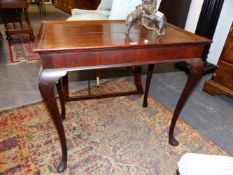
(83,45)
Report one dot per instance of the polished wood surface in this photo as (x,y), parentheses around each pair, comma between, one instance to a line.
(221,82)
(10,11)
(89,35)
(83,45)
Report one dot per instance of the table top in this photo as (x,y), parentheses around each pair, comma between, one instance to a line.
(13,4)
(89,35)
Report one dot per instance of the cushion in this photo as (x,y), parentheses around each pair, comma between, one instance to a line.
(201,164)
(121,8)
(88,16)
(82,11)
(105,5)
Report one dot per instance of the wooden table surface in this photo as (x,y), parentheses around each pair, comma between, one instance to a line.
(81,45)
(54,35)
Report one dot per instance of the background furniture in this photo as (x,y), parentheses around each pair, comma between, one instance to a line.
(87,4)
(67,5)
(0,41)
(221,82)
(101,13)
(40,4)
(201,164)
(103,44)
(11,13)
(107,10)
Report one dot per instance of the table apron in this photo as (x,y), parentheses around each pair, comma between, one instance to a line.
(118,57)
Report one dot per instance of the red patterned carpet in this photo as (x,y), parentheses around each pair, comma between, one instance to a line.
(113,136)
(21,49)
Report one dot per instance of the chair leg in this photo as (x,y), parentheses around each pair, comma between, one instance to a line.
(26,16)
(43,10)
(98,81)
(41,7)
(97,78)
(89,82)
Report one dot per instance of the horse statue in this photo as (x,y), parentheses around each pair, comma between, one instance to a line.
(148,16)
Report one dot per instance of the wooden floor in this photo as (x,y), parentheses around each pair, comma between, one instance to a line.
(211,115)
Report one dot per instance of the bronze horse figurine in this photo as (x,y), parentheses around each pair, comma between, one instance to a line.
(148,15)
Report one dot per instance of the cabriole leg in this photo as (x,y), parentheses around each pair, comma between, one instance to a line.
(196,68)
(47,82)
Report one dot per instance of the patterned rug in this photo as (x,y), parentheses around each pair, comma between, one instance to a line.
(21,50)
(112,136)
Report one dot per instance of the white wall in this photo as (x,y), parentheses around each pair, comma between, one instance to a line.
(193,15)
(158,3)
(222,29)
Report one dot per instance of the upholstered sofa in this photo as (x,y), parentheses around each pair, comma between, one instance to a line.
(107,9)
